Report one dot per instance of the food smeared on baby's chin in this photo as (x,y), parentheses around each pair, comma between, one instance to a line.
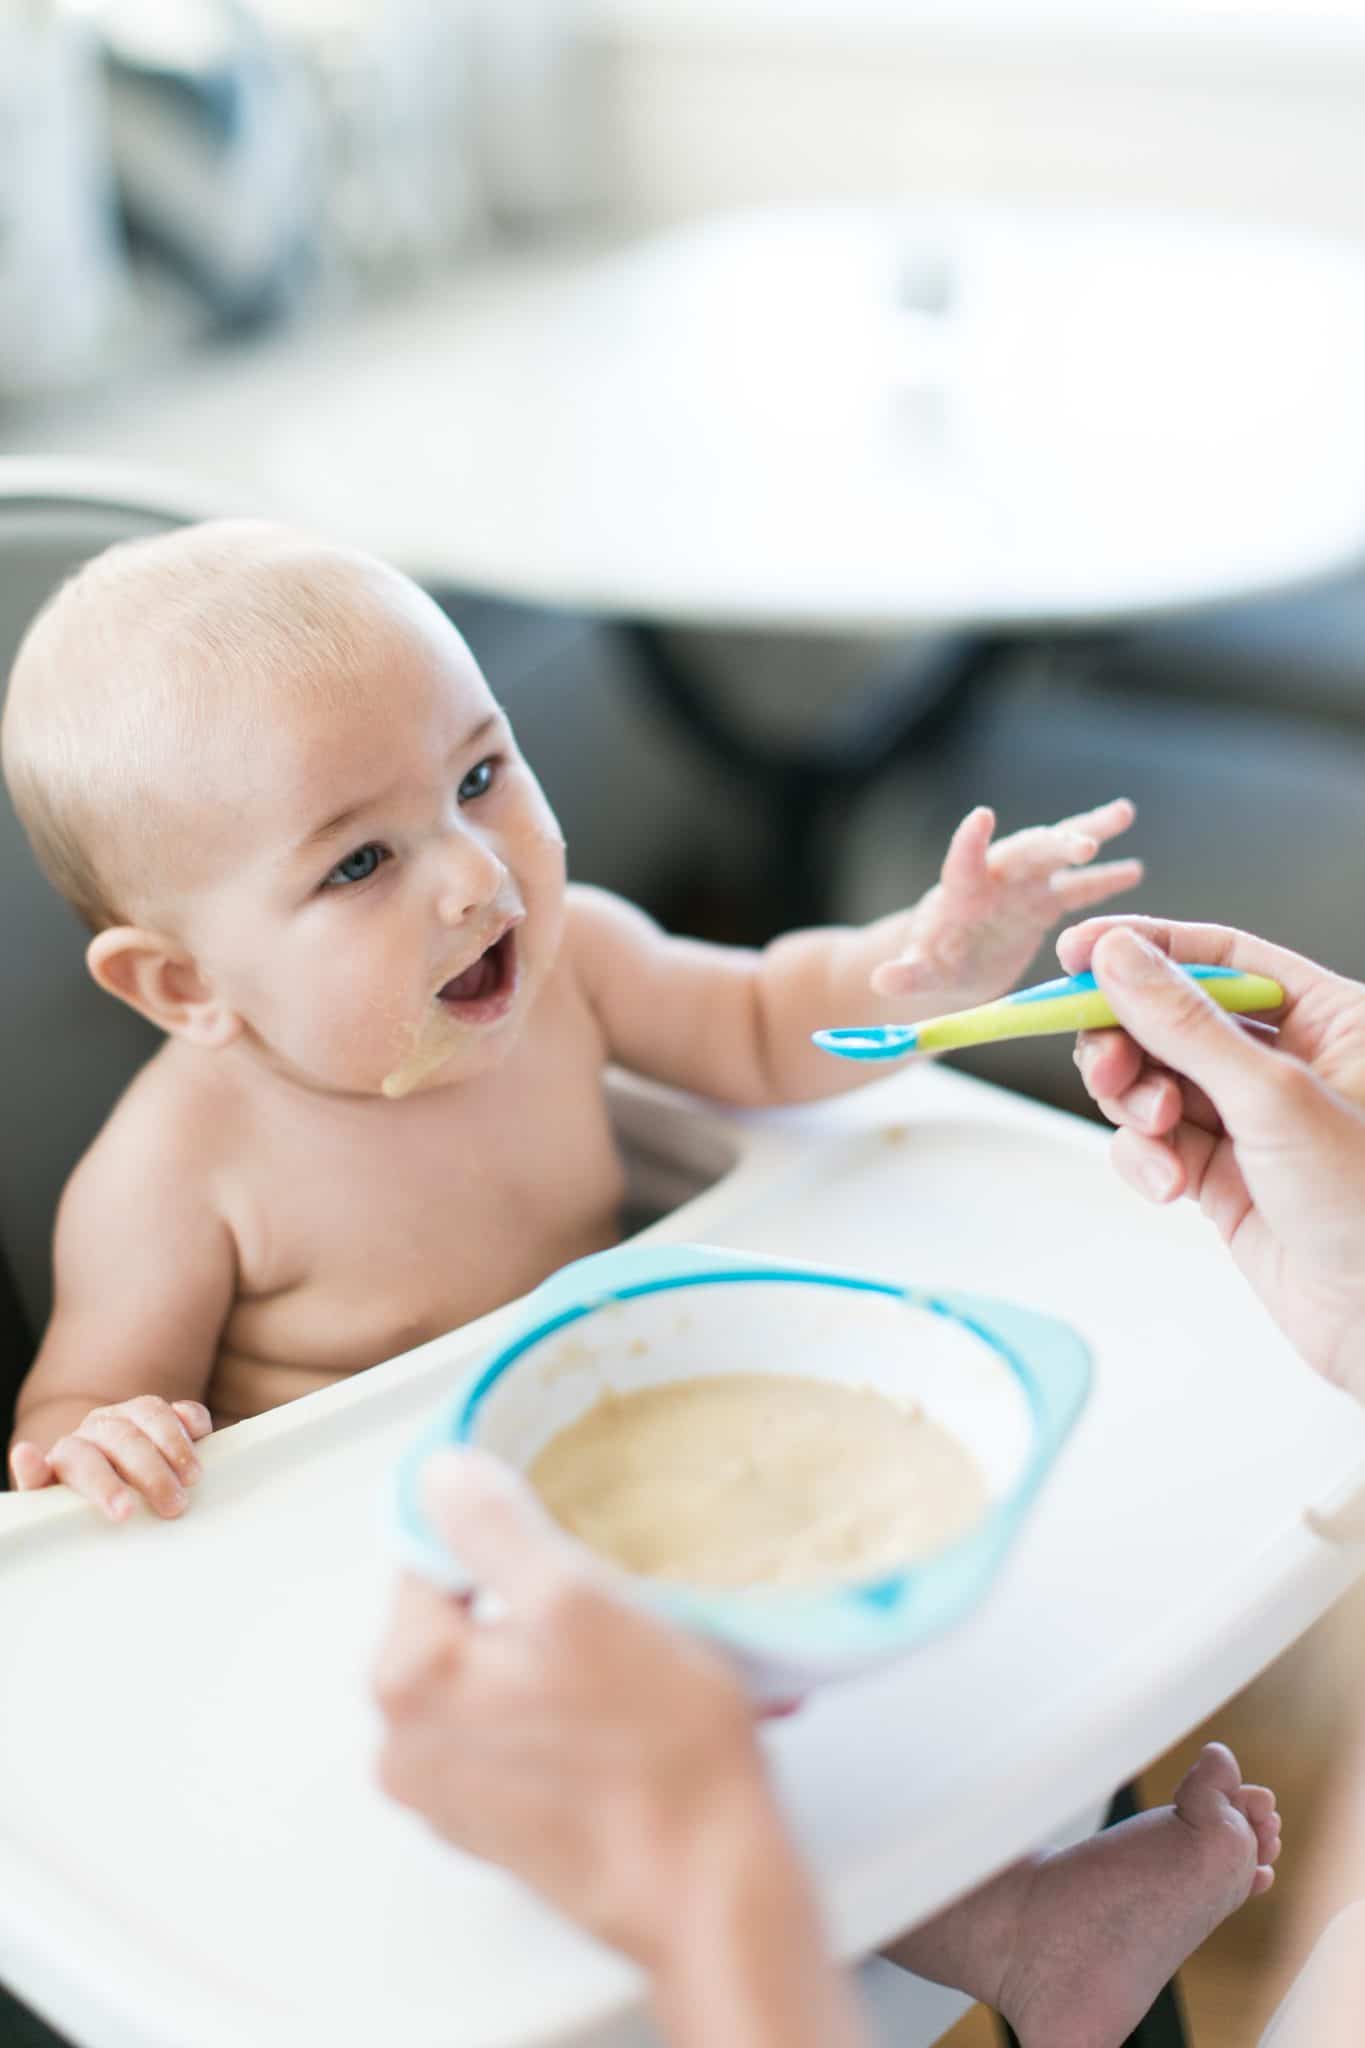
(480,995)
(436,1040)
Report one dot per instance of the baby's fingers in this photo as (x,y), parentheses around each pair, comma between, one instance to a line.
(162,1424)
(83,1467)
(29,1468)
(147,1444)
(964,864)
(1106,821)
(1035,854)
(1078,888)
(195,1417)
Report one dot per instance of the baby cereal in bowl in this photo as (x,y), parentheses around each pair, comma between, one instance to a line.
(759,1479)
(816,1469)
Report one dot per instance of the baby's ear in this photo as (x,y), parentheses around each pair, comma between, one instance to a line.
(161,981)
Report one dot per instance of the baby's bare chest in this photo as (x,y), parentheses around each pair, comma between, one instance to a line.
(354,1247)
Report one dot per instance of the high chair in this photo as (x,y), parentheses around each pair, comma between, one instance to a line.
(65,1051)
(193,1847)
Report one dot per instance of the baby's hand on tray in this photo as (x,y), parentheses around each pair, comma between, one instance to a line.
(973,935)
(144,1446)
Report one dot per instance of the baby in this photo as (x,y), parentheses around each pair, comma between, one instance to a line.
(270,777)
(272,780)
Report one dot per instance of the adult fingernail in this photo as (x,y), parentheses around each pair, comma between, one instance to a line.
(1142,1101)
(1128,958)
(1158,1178)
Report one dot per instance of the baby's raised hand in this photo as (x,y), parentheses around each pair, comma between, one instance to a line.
(144,1446)
(974,933)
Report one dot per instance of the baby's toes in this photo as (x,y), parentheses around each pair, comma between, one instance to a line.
(1257,1804)
(1213,1781)
(1259,1811)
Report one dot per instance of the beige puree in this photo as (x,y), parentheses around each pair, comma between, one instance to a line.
(433,1043)
(758,1479)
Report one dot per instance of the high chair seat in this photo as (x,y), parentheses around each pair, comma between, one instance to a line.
(66,1051)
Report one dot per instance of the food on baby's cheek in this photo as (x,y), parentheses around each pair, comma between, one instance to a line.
(759,1479)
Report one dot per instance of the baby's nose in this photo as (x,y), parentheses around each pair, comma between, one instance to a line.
(472,880)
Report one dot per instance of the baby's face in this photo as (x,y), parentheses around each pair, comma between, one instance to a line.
(384,892)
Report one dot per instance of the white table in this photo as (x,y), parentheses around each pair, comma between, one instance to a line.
(844,422)
(193,1853)
(754,421)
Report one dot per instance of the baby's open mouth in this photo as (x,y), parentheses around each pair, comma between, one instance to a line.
(487,980)
(482,994)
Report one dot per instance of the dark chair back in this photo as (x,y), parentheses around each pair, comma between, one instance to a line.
(66,1050)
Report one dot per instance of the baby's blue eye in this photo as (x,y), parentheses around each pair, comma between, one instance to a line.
(479,780)
(357,866)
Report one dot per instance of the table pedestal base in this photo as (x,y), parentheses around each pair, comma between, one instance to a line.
(804,788)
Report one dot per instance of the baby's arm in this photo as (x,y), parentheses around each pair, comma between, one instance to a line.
(144,1275)
(736,1024)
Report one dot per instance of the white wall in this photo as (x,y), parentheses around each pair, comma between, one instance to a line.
(1208,107)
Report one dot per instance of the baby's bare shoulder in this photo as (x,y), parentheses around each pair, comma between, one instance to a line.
(589,908)
(604,932)
(144,1260)
(165,1140)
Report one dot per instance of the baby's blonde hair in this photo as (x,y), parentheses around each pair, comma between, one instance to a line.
(124,677)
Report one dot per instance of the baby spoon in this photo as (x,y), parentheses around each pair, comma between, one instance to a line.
(1072,1004)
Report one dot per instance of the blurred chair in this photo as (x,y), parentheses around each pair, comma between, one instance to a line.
(66,1052)
(62,271)
(215,150)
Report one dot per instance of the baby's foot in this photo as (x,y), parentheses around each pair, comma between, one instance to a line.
(1099,1928)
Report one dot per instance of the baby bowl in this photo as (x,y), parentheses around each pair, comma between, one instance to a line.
(1005,1381)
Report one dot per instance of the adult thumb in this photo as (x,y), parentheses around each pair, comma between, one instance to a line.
(493,1523)
(1177,1022)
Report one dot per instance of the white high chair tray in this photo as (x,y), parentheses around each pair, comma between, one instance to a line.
(193,1851)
